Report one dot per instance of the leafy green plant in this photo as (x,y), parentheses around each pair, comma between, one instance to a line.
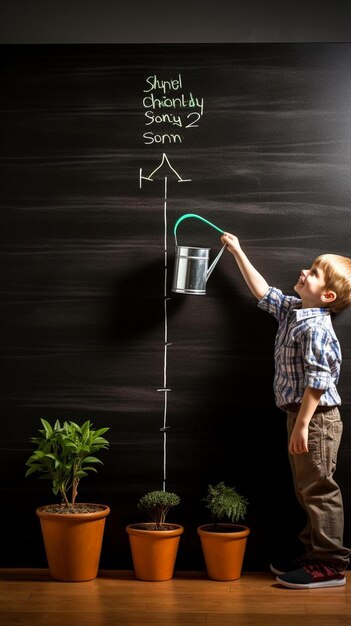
(225,502)
(65,454)
(156,505)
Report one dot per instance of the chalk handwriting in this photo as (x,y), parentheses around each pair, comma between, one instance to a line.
(161,119)
(163,85)
(167,105)
(165,138)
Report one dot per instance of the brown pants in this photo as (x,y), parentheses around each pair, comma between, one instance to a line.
(316,489)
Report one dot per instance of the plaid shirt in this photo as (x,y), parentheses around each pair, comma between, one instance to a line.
(307,352)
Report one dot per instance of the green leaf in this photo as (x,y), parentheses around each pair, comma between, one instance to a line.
(101,431)
(91,459)
(32,469)
(100,440)
(85,427)
(50,455)
(38,454)
(69,444)
(78,428)
(47,428)
(81,473)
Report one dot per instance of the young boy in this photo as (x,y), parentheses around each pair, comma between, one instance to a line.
(307,367)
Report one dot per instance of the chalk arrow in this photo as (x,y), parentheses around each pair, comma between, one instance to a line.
(165,160)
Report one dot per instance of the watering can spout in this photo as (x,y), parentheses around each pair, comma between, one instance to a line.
(215,261)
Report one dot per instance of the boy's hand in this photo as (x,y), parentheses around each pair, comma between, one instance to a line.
(298,443)
(231,241)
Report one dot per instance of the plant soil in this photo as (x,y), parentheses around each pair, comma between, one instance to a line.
(223,528)
(74,508)
(148,526)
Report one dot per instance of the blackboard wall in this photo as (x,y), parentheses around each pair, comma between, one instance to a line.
(82,271)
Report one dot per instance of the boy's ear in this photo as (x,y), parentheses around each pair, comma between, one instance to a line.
(328,297)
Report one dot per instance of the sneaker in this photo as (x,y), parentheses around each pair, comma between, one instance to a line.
(313,575)
(282,567)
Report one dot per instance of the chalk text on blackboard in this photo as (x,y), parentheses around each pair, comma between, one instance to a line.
(150,137)
(161,119)
(150,102)
(163,85)
(184,109)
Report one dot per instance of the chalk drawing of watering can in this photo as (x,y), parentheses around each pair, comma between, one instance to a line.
(191,271)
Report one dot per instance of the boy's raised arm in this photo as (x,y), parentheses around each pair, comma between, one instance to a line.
(256,283)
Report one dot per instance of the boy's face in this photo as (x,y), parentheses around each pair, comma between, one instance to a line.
(312,289)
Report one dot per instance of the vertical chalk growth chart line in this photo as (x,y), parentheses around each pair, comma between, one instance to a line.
(164,389)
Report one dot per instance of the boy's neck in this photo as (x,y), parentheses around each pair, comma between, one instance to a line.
(315,305)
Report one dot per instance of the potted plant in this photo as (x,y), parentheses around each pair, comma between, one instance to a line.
(72,532)
(224,543)
(154,545)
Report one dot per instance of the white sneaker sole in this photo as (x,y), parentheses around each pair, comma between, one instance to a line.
(327,583)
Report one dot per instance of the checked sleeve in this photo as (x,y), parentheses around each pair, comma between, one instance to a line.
(320,357)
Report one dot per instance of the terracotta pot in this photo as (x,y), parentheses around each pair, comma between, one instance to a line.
(73,543)
(154,552)
(224,550)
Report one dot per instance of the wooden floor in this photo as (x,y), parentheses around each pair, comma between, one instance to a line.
(116,598)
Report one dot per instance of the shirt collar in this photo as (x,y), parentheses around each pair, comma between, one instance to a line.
(302,314)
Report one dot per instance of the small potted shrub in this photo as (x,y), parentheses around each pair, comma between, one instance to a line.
(154,545)
(72,532)
(224,542)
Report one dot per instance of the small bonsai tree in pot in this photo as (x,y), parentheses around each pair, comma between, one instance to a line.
(224,542)
(154,545)
(156,505)
(72,531)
